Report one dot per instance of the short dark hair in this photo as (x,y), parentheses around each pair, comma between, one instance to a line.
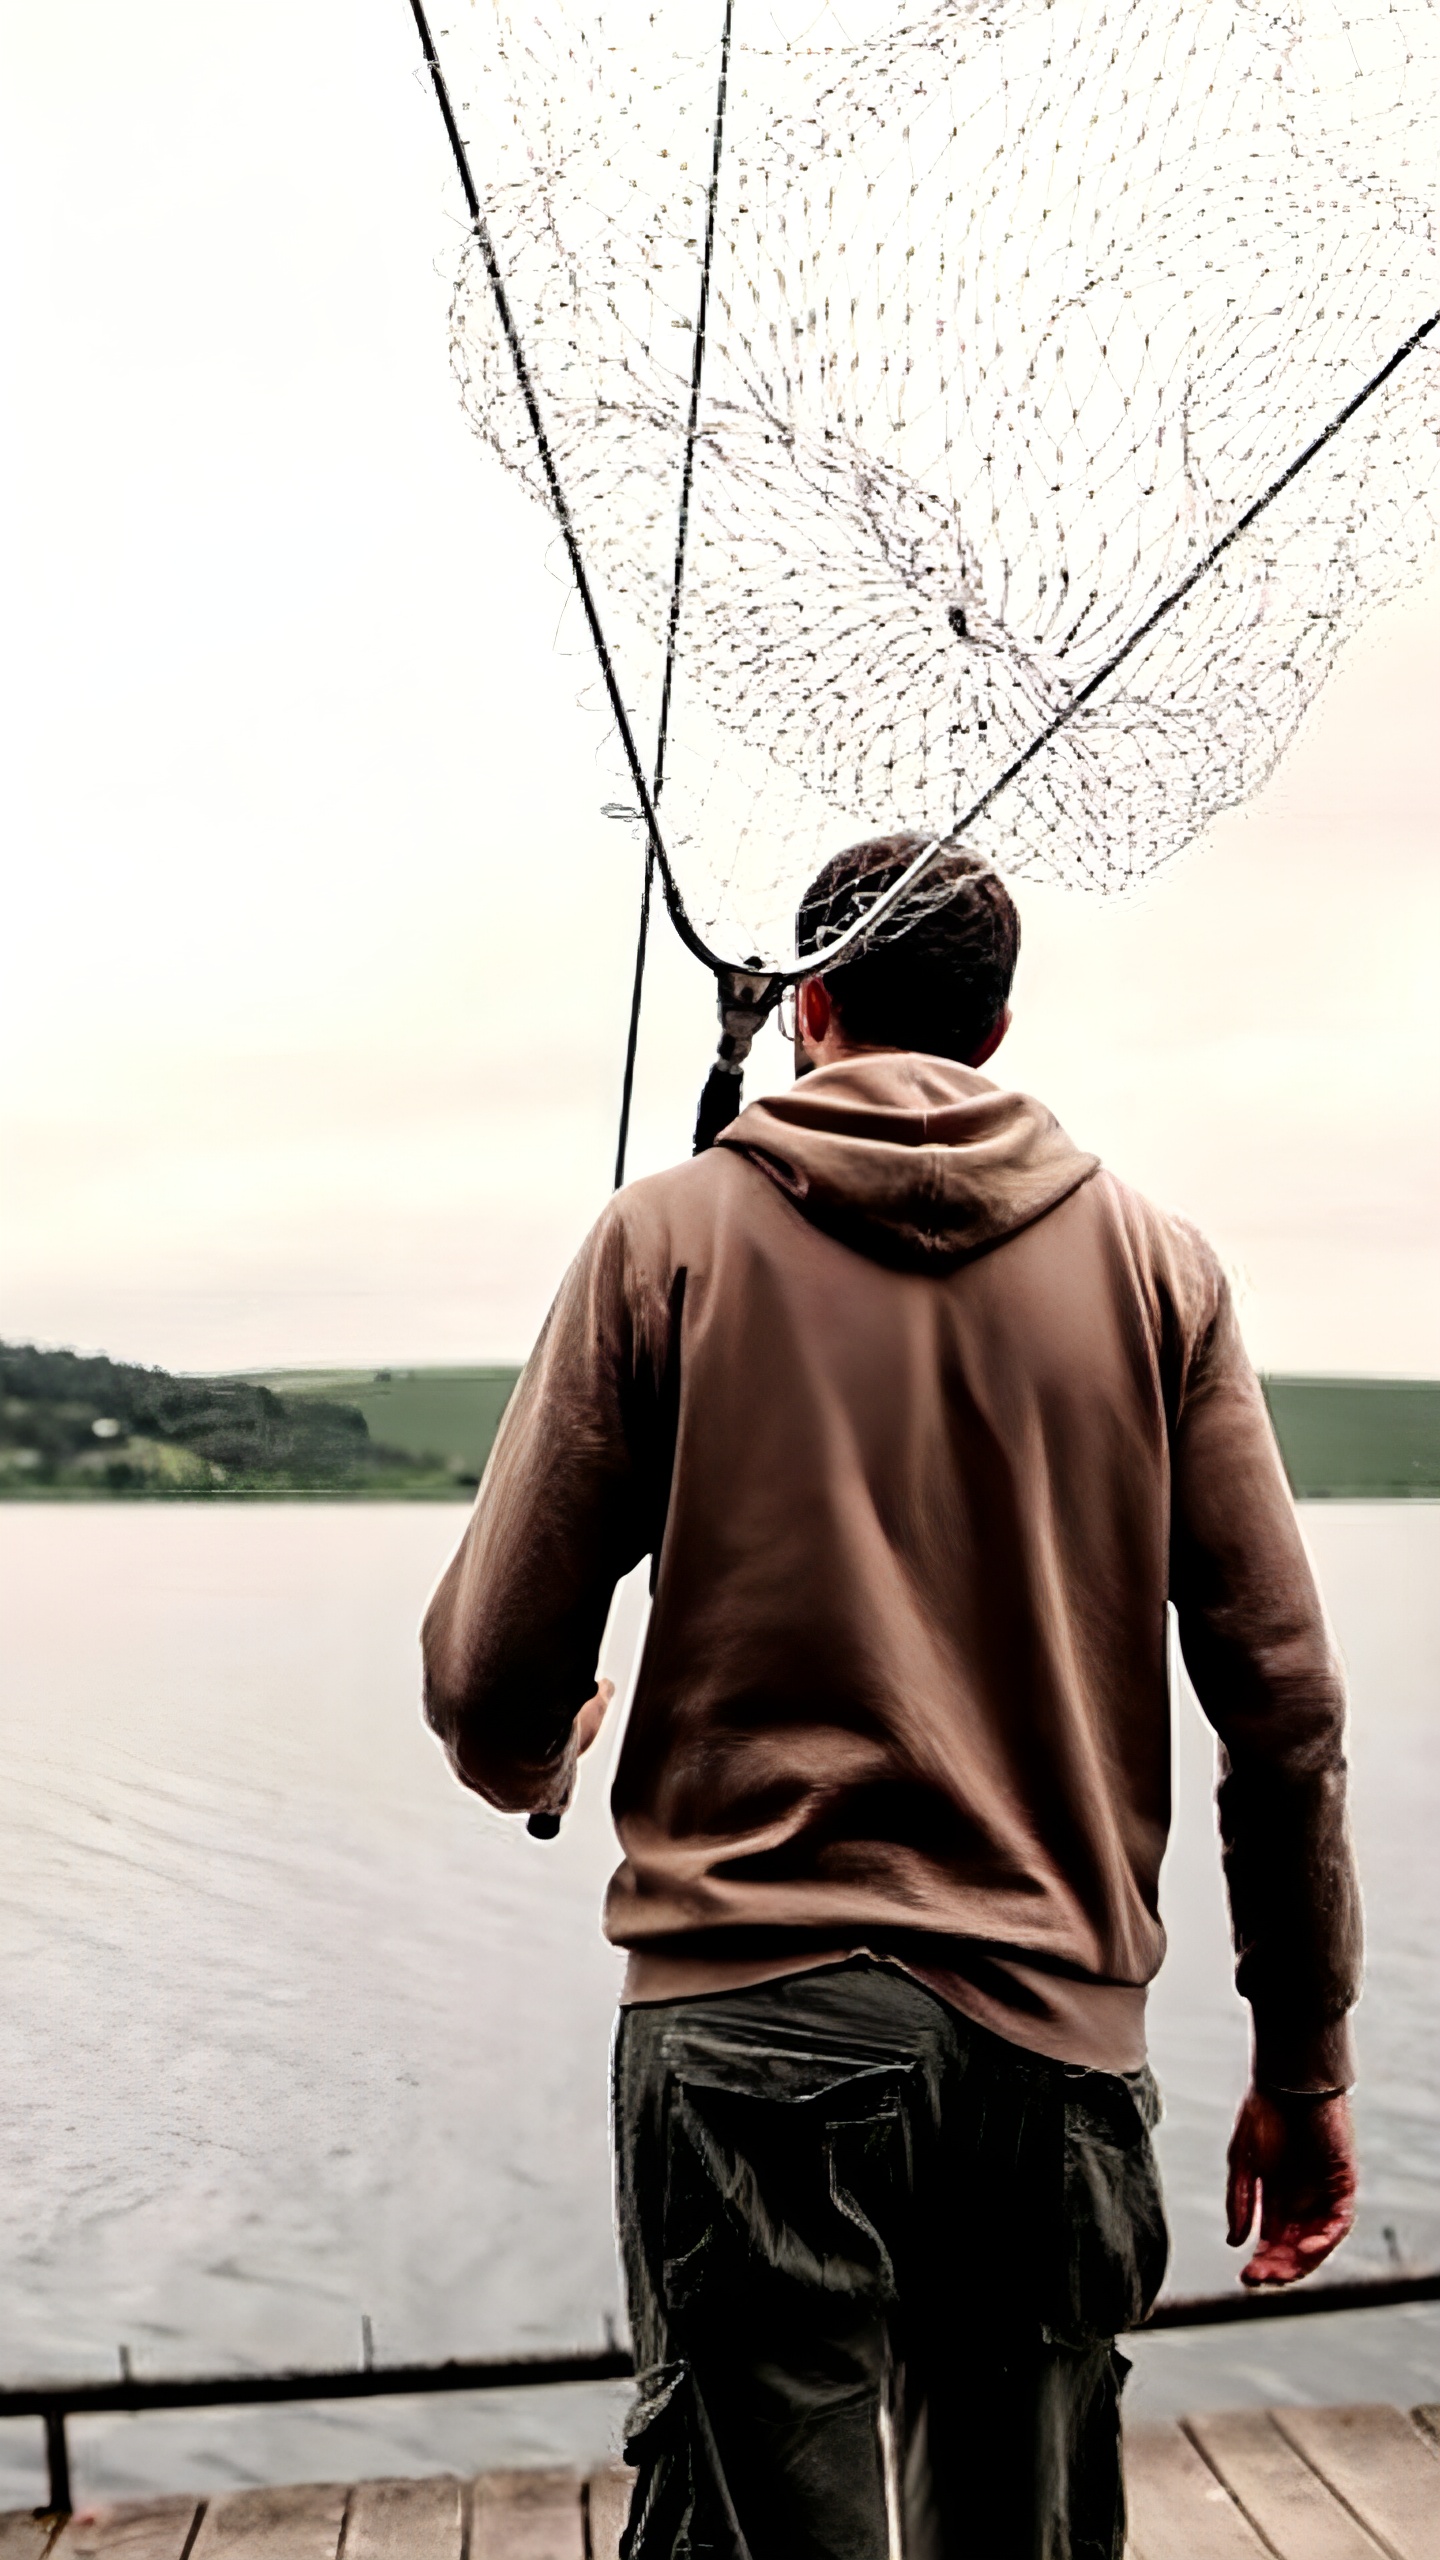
(937,977)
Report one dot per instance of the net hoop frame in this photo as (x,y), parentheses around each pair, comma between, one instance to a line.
(647,795)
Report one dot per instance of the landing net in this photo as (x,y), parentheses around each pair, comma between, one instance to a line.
(1015,310)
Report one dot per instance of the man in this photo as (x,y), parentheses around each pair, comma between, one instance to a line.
(923,1418)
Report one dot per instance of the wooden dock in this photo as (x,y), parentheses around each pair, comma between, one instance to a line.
(1296,2484)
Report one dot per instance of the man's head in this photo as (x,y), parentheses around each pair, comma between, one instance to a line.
(938,976)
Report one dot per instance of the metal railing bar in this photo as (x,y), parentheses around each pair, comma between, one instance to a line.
(349,2382)
(55,2402)
(1310,2300)
(132,2392)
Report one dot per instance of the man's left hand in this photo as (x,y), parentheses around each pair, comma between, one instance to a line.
(1293,2158)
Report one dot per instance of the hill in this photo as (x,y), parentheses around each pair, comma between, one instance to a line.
(77,1425)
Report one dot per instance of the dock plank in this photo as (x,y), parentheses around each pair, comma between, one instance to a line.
(1293,2484)
(136,2529)
(24,2533)
(1177,2508)
(406,2520)
(1287,2504)
(607,2509)
(526,2515)
(273,2524)
(1383,2467)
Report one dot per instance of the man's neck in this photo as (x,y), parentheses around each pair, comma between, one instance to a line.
(834,1051)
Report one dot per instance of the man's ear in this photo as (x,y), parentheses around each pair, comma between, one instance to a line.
(991,1041)
(814,1013)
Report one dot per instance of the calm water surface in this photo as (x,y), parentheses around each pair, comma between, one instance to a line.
(294,2031)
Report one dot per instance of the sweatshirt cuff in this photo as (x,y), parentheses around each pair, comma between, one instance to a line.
(518,1786)
(1294,2060)
(554,1785)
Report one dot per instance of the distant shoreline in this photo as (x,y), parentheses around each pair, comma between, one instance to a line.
(86,1430)
(82,1428)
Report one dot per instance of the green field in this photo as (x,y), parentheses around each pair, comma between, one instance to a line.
(450,1414)
(1358,1439)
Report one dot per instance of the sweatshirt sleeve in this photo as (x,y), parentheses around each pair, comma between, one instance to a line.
(1259,1652)
(512,1636)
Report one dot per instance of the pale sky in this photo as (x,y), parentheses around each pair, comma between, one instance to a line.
(317,947)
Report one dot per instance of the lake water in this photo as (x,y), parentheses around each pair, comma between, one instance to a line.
(294,2031)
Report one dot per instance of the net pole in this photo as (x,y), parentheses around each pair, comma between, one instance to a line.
(677,585)
(692,422)
(560,506)
(632,1037)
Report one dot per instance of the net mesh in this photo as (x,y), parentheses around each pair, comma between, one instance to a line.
(1015,309)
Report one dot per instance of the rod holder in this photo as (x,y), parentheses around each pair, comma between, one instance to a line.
(746,998)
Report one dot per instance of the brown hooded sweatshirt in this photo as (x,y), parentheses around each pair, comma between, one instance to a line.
(923,1419)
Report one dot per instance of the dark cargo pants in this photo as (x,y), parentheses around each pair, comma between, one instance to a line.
(876,2260)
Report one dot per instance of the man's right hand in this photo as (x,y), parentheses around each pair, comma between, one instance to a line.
(1294,2159)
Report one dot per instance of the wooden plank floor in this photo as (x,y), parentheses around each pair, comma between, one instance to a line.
(1298,2484)
(1293,2484)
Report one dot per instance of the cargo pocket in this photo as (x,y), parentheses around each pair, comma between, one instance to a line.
(681,2507)
(1116,2243)
(776,2200)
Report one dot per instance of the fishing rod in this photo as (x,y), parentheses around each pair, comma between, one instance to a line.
(677,582)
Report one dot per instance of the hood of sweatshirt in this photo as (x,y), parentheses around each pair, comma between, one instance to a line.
(916,1161)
